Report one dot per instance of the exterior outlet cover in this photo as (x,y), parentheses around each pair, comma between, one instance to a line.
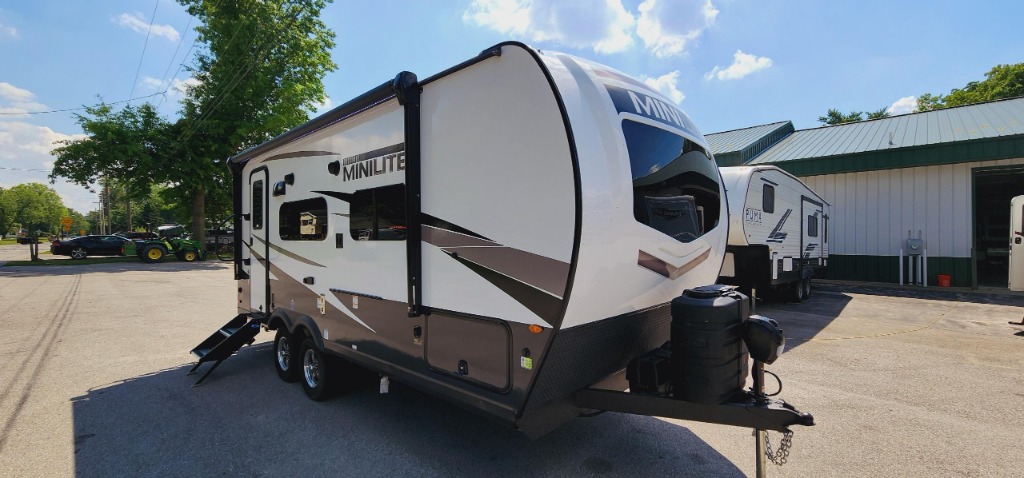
(915,246)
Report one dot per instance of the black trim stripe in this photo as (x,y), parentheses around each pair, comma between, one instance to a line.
(545,305)
(428,220)
(299,154)
(394,148)
(347,197)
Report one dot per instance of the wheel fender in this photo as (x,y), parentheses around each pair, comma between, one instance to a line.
(294,323)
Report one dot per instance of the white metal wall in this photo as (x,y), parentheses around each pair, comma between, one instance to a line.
(872,211)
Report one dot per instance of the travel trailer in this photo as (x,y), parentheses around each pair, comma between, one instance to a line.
(507,234)
(778,231)
(1017,243)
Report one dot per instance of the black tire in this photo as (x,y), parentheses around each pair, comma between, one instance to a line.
(807,288)
(79,253)
(317,380)
(188,256)
(796,291)
(286,355)
(153,253)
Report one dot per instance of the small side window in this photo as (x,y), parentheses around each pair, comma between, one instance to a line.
(257,205)
(768,199)
(304,220)
(812,226)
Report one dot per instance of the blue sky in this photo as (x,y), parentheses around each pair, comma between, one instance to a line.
(728,63)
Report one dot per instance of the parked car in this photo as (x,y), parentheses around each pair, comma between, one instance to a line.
(82,247)
(137,235)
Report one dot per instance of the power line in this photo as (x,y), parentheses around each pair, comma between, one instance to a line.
(144,45)
(175,55)
(82,107)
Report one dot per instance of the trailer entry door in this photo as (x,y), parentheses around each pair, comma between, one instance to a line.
(259,247)
(812,234)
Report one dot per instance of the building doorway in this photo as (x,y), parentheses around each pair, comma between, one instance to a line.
(993,189)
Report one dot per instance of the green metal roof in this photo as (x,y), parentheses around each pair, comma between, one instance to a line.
(984,131)
(732,148)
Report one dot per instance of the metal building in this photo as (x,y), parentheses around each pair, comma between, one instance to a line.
(945,176)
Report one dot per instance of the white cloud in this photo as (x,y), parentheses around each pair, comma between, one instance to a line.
(667,84)
(904,105)
(8,31)
(13,93)
(742,65)
(25,155)
(137,23)
(174,90)
(668,26)
(603,27)
(323,107)
(17,101)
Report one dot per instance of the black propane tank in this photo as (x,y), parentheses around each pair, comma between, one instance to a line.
(709,358)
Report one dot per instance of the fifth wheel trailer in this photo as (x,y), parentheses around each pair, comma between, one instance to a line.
(778,231)
(507,234)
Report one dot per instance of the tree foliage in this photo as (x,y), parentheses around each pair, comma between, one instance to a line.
(1002,81)
(34,206)
(834,116)
(259,75)
(127,145)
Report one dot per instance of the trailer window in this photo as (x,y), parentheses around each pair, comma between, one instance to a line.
(304,220)
(675,183)
(768,199)
(257,205)
(812,226)
(378,214)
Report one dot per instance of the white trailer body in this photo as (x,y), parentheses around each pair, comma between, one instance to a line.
(502,234)
(778,230)
(1017,243)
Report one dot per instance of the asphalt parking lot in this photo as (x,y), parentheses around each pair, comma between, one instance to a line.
(901,382)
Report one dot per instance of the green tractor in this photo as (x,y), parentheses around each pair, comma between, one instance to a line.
(154,250)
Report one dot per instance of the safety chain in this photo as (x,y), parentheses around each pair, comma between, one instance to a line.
(782,454)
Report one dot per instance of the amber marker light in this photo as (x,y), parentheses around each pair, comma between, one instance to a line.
(536,328)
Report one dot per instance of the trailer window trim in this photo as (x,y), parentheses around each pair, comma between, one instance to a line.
(768,199)
(303,220)
(676,186)
(257,204)
(812,225)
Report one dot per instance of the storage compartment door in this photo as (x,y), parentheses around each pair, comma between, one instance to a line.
(475,350)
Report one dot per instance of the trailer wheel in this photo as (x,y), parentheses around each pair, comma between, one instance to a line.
(153,253)
(286,356)
(796,291)
(316,372)
(806,284)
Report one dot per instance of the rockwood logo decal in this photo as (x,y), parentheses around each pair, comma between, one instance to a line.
(388,159)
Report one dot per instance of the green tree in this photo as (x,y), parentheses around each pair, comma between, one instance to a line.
(37,208)
(6,214)
(127,147)
(834,117)
(1002,81)
(879,113)
(259,75)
